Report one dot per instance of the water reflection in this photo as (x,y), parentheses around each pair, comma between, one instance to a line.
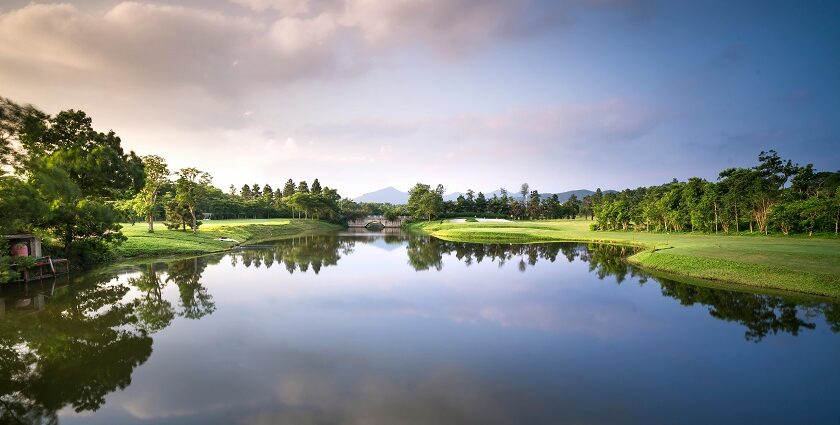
(83,345)
(297,254)
(74,344)
(760,314)
(425,253)
(86,337)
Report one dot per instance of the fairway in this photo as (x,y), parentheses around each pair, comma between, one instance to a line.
(163,241)
(796,263)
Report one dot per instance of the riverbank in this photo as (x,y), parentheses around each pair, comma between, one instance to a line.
(791,263)
(212,236)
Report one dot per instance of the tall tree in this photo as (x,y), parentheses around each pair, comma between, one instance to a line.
(533,207)
(190,189)
(303,187)
(245,192)
(289,188)
(424,202)
(157,174)
(523,190)
(480,203)
(316,187)
(268,194)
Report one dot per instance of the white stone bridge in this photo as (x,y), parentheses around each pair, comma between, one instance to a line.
(377,219)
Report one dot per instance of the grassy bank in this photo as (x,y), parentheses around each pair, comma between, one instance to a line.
(794,263)
(163,242)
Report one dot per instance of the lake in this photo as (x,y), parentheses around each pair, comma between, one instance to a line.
(392,328)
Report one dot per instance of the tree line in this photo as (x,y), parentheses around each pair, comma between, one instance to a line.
(427,203)
(775,195)
(72,185)
(181,201)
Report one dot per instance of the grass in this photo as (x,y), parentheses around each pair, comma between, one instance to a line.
(165,242)
(794,263)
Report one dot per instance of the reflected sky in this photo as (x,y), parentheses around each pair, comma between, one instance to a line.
(392,328)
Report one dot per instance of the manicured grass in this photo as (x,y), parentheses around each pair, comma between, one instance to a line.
(140,243)
(796,263)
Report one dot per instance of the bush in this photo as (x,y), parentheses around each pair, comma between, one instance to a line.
(594,227)
(471,220)
(6,272)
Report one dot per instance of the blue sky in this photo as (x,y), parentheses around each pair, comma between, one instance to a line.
(472,94)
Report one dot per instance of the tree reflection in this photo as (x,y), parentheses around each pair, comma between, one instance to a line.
(760,314)
(155,312)
(83,345)
(194,298)
(88,337)
(297,254)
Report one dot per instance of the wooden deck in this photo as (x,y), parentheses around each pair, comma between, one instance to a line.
(45,267)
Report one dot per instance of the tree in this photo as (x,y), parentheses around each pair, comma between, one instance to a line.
(268,194)
(157,173)
(572,206)
(14,120)
(480,203)
(424,202)
(523,190)
(533,207)
(837,210)
(461,204)
(551,207)
(470,201)
(316,187)
(94,161)
(289,188)
(245,192)
(190,189)
(303,187)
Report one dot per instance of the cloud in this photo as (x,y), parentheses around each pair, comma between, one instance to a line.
(451,26)
(138,44)
(290,7)
(609,120)
(145,44)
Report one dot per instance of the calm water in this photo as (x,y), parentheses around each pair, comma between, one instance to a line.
(392,329)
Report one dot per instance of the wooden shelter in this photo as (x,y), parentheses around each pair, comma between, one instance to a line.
(30,246)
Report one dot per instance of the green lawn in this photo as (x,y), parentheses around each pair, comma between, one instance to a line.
(796,263)
(140,243)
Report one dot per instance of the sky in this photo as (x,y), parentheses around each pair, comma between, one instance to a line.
(364,94)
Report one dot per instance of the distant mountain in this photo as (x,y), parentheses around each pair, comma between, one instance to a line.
(452,196)
(563,196)
(395,196)
(389,195)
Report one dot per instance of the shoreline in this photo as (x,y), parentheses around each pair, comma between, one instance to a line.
(798,265)
(164,242)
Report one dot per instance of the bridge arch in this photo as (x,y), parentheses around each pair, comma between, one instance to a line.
(364,222)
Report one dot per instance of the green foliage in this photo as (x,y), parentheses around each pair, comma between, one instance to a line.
(21,206)
(425,202)
(146,201)
(68,182)
(775,195)
(6,271)
(191,188)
